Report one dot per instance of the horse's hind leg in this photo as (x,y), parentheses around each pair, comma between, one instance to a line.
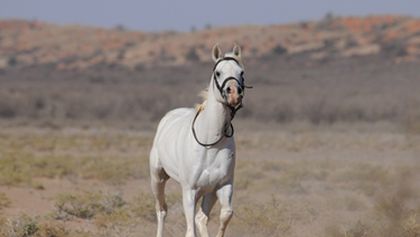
(202,217)
(158,180)
(158,188)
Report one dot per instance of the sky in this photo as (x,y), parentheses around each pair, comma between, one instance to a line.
(178,15)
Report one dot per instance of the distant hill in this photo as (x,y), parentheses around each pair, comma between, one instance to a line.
(32,43)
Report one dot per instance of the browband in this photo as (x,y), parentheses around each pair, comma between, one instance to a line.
(226,59)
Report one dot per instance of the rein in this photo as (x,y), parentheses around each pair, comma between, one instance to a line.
(218,140)
(233,109)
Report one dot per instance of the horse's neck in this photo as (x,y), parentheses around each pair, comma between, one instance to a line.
(213,118)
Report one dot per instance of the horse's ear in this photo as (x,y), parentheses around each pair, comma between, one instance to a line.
(216,53)
(237,51)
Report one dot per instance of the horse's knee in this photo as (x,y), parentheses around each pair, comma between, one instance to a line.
(201,219)
(225,216)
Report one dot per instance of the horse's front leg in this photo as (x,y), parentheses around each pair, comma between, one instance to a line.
(189,200)
(224,194)
(203,214)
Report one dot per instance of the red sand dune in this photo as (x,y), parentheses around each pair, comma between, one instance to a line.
(29,43)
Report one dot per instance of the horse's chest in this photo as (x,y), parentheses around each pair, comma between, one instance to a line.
(217,172)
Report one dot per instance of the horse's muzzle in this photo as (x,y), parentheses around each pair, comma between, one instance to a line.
(234,94)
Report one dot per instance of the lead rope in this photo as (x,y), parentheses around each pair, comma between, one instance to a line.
(233,110)
(218,140)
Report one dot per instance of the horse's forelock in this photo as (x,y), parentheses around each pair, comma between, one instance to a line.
(238,59)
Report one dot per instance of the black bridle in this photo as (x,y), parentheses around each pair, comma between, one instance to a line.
(241,84)
(233,109)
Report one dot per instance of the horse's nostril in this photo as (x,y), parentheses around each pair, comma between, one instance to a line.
(228,90)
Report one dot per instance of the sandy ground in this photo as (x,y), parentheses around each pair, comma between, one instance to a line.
(294,182)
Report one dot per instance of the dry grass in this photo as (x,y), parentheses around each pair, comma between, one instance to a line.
(294,181)
(337,183)
(111,215)
(270,219)
(394,211)
(111,157)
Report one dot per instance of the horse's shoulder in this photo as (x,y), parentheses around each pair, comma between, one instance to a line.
(180,112)
(174,116)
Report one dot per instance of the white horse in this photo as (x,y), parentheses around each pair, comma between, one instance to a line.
(196,148)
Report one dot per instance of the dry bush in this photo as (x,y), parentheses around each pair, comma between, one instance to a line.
(87,205)
(4,201)
(27,226)
(411,122)
(192,55)
(22,226)
(53,229)
(110,213)
(367,89)
(395,214)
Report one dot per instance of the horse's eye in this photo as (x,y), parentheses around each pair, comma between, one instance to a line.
(242,73)
(217,73)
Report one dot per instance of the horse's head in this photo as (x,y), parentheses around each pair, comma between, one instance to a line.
(228,74)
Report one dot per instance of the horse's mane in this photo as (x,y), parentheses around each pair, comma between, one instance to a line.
(204,93)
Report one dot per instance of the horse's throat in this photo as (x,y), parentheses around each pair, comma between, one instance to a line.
(216,117)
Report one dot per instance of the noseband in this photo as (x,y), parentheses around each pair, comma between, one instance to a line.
(233,109)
